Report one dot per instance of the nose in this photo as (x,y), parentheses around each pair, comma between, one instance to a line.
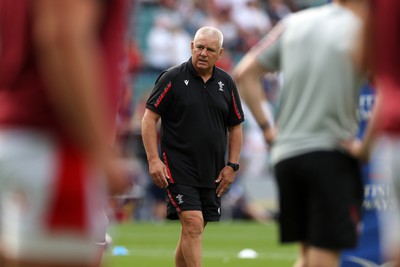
(203,52)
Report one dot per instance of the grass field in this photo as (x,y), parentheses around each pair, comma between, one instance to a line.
(153,245)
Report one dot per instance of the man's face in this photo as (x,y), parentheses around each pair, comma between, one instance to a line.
(205,53)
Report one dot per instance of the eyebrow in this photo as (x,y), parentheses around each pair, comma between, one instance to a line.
(208,48)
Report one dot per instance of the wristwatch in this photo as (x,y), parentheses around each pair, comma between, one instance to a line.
(235,166)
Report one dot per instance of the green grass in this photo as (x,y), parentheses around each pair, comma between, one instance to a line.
(153,245)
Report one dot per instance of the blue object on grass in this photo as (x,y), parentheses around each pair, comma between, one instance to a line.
(120,251)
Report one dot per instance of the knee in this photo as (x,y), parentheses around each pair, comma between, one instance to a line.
(192,225)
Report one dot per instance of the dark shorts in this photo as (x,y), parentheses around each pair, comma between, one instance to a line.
(185,197)
(320,198)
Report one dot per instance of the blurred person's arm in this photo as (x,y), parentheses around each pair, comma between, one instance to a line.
(363,50)
(66,41)
(370,133)
(363,149)
(363,57)
(248,74)
(157,168)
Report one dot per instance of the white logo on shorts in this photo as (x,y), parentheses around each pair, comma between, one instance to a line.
(179,197)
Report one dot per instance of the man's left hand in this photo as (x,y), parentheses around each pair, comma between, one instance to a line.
(225,178)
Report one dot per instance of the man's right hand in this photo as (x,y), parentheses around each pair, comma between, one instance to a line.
(357,149)
(159,173)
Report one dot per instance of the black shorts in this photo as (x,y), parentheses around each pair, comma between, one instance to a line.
(186,197)
(320,198)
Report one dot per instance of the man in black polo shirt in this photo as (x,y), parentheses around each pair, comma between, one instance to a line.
(201,115)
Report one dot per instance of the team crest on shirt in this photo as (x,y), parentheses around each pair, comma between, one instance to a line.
(221,86)
(186,82)
(179,198)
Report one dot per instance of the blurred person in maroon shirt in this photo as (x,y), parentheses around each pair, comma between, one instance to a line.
(379,53)
(60,76)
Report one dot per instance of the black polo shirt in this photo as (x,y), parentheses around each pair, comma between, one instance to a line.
(195,117)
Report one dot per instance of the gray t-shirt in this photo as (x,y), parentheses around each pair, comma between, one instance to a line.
(318,100)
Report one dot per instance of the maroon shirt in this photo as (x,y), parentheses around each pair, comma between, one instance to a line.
(386,61)
(23,98)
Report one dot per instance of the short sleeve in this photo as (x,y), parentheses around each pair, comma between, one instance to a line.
(236,114)
(268,49)
(160,98)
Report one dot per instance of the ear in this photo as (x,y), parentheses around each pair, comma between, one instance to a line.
(221,51)
(191,46)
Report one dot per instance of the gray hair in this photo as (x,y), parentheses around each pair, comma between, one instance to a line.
(210,32)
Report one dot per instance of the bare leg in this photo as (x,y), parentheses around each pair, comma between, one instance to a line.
(179,259)
(301,258)
(318,257)
(190,243)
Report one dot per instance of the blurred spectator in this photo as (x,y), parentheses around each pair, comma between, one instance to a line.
(254,166)
(226,62)
(253,18)
(255,150)
(124,114)
(154,205)
(277,10)
(221,18)
(195,14)
(253,22)
(159,45)
(302,4)
(171,10)
(135,58)
(167,44)
(180,50)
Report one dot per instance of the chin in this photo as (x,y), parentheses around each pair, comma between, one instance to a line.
(203,66)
